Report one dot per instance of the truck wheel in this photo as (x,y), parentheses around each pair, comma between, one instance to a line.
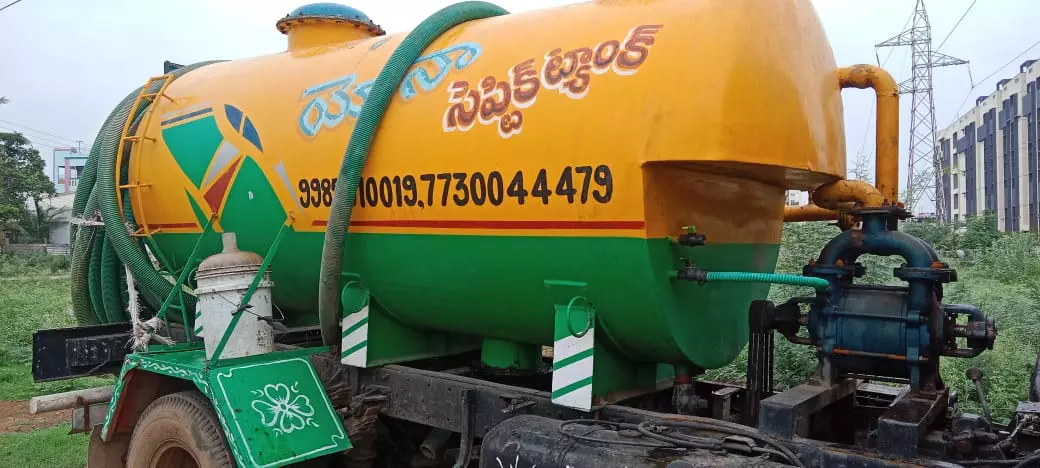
(179,430)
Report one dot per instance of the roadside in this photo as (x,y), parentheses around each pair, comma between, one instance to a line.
(15,418)
(30,301)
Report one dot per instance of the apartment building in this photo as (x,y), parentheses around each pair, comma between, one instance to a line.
(989,155)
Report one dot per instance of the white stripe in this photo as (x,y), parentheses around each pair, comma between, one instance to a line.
(355,337)
(186,110)
(352,319)
(578,399)
(224,156)
(572,373)
(358,359)
(570,345)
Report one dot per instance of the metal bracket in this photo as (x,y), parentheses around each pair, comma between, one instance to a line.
(466,440)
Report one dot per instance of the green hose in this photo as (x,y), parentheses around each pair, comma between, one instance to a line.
(82,306)
(379,96)
(111,288)
(774,278)
(97,286)
(94,275)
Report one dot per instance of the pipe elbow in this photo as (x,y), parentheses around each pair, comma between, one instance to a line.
(839,194)
(865,76)
(886,138)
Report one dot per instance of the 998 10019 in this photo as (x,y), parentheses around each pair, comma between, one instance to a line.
(572,184)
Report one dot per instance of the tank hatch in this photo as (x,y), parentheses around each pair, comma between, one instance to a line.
(317,24)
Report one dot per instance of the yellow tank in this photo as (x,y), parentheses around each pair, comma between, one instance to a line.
(564,144)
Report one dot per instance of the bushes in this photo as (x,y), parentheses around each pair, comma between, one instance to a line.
(33,265)
(1003,280)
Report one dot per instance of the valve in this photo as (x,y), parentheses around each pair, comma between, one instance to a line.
(691,238)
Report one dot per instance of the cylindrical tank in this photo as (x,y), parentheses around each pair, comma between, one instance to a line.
(565,144)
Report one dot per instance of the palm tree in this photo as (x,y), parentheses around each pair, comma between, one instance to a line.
(4,100)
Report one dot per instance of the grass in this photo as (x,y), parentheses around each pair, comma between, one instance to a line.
(27,305)
(52,447)
(33,265)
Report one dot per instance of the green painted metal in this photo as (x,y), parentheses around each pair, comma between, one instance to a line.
(193,145)
(248,295)
(276,410)
(272,407)
(377,101)
(492,286)
(503,354)
(193,257)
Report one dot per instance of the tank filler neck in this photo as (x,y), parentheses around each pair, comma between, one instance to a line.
(319,24)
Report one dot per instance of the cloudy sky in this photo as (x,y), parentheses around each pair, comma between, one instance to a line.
(65,63)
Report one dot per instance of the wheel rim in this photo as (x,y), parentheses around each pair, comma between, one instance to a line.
(173,455)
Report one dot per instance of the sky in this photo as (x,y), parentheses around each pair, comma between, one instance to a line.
(65,63)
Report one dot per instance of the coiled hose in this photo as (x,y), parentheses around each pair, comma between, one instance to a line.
(98,287)
(382,91)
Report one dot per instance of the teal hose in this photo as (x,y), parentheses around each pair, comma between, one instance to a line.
(382,91)
(774,278)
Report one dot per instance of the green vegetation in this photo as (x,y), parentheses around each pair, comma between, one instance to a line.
(33,265)
(1000,273)
(30,305)
(24,183)
(52,447)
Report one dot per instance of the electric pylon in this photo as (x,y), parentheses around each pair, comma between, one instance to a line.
(924,163)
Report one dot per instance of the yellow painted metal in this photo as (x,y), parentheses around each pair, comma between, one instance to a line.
(731,101)
(833,198)
(135,149)
(887,135)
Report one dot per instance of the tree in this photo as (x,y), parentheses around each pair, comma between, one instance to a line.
(981,231)
(4,100)
(21,180)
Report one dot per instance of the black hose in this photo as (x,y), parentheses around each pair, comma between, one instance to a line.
(705,424)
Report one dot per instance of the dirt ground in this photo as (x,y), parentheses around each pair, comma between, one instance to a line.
(15,417)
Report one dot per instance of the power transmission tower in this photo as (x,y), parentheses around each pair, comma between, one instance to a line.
(924,168)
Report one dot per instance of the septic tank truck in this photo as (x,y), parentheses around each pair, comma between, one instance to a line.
(507,240)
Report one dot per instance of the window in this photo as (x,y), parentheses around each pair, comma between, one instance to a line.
(956,202)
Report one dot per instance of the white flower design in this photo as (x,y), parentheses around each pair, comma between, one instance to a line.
(283,408)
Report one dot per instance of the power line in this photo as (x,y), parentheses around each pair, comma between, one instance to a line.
(35,137)
(975,85)
(1009,62)
(41,132)
(9,5)
(955,25)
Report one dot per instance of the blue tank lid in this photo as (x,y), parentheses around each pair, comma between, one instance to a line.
(329,10)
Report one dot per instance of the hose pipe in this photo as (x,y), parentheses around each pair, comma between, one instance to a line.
(382,91)
(704,276)
(96,285)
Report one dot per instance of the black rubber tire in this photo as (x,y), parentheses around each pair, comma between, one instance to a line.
(179,430)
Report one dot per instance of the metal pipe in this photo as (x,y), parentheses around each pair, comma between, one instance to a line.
(433,446)
(886,163)
(838,194)
(796,214)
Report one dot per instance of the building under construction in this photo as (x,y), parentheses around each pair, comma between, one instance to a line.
(989,155)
